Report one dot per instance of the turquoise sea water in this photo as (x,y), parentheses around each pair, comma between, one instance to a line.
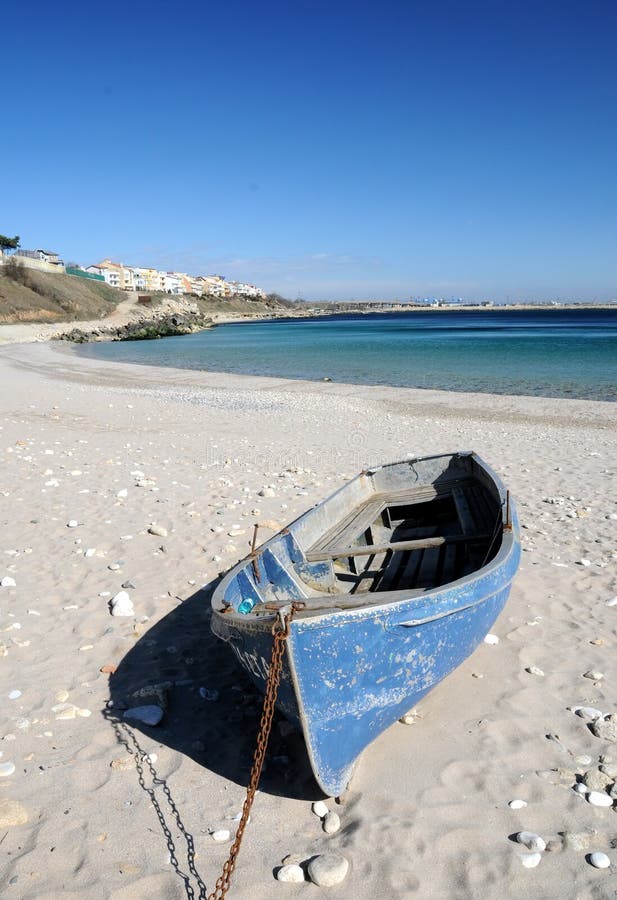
(543,352)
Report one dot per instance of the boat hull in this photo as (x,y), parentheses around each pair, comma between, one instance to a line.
(350,673)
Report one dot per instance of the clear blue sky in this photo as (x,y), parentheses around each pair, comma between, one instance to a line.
(320,149)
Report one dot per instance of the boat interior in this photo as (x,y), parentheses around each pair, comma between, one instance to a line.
(411,538)
(416,539)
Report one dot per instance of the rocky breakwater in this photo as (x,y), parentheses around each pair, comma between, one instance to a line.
(141,329)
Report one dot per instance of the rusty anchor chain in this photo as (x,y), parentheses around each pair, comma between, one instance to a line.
(280,632)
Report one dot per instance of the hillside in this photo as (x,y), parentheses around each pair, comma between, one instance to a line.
(33,296)
(30,296)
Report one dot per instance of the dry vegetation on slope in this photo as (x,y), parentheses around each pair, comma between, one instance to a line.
(27,295)
(30,296)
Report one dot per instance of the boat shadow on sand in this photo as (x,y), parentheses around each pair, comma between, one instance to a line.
(212,708)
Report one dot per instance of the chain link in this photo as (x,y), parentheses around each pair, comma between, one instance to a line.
(280,631)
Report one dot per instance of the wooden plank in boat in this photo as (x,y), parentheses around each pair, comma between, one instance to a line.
(487,514)
(449,569)
(465,516)
(370,549)
(392,571)
(427,573)
(360,518)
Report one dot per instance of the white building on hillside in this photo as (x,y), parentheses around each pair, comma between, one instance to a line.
(172,283)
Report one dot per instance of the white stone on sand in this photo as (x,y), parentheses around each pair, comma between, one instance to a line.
(599,860)
(531,860)
(221,835)
(328,869)
(291,874)
(491,639)
(8,581)
(121,605)
(331,823)
(320,809)
(531,840)
(599,798)
(517,804)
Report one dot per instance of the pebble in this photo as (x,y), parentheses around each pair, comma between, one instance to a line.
(222,835)
(583,760)
(584,562)
(534,670)
(579,788)
(594,676)
(121,605)
(14,695)
(331,823)
(73,523)
(150,714)
(320,809)
(12,813)
(291,874)
(158,530)
(7,581)
(531,860)
(328,869)
(491,639)
(6,769)
(595,780)
(612,601)
(599,860)
(531,840)
(266,492)
(123,493)
(89,552)
(599,798)
(409,718)
(517,804)
(606,728)
(587,712)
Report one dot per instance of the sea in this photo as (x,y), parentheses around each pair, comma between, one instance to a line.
(543,352)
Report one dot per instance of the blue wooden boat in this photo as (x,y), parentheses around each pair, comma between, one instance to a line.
(402,573)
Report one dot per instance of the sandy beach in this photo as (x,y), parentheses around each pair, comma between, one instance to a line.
(95,454)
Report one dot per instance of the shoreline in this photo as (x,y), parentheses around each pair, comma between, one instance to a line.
(127,313)
(95,454)
(171,381)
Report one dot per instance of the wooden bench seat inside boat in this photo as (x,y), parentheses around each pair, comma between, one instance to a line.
(419,538)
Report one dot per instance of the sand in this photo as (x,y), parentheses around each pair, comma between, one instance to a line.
(119,449)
